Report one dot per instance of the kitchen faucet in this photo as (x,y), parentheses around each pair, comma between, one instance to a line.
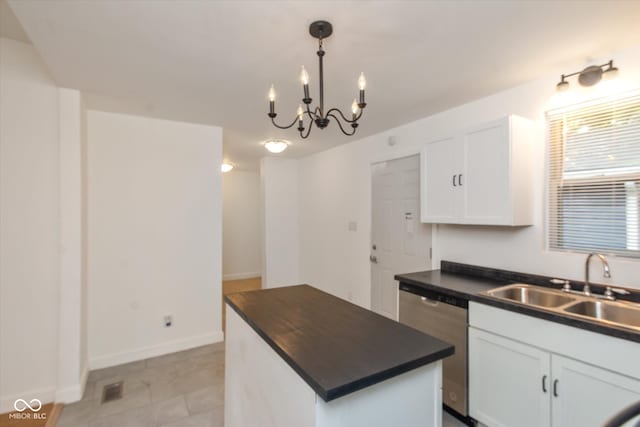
(606,273)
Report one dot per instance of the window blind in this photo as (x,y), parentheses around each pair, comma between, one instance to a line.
(593,185)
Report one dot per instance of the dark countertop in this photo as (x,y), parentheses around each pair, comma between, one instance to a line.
(337,347)
(470,282)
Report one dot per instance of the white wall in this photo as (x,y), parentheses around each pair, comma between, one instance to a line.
(280,221)
(335,187)
(241,235)
(30,235)
(154,244)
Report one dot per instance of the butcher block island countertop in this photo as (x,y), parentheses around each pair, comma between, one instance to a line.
(330,348)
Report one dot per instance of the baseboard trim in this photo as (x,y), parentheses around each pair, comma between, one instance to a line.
(240,276)
(74,392)
(156,350)
(44,395)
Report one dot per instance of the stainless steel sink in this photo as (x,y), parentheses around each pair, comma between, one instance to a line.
(527,294)
(620,313)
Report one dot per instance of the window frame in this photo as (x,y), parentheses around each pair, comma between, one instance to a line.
(555,178)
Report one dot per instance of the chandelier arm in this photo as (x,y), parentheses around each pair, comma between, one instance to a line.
(283,127)
(343,117)
(305,136)
(340,125)
(312,115)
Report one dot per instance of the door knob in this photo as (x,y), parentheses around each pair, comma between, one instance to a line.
(373,259)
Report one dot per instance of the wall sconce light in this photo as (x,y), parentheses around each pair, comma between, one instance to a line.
(226,167)
(589,76)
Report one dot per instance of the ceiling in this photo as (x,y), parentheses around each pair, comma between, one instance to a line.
(212,62)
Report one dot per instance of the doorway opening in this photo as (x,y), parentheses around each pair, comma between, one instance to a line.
(241,237)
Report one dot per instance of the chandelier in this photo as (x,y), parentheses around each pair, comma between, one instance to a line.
(318,115)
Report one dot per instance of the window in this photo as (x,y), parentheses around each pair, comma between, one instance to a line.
(594,177)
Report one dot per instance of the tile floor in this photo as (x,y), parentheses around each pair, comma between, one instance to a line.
(184,389)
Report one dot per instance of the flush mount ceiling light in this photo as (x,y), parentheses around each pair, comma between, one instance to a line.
(276,145)
(320,30)
(226,167)
(589,76)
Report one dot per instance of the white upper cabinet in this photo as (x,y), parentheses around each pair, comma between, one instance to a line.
(479,176)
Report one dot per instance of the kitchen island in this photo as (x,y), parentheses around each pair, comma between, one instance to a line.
(297,356)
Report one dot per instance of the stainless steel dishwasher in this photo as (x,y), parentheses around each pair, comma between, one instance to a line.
(443,317)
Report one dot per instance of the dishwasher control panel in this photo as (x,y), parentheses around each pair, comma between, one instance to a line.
(434,295)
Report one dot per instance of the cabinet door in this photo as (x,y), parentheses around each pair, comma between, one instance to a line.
(486,181)
(587,396)
(508,382)
(441,196)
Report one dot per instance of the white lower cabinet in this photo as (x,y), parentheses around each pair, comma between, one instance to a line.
(505,382)
(586,395)
(512,384)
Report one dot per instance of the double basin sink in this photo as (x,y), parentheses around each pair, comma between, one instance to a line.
(618,313)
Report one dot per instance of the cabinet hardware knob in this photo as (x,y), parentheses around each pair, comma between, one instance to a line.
(544,383)
(555,388)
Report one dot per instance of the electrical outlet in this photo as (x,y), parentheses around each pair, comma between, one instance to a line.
(168,321)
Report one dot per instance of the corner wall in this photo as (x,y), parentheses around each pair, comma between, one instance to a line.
(154,236)
(279,192)
(72,357)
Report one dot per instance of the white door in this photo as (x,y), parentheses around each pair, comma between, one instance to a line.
(509,382)
(587,396)
(400,243)
(442,165)
(486,181)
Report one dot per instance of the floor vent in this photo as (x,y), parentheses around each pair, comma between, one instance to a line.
(112,392)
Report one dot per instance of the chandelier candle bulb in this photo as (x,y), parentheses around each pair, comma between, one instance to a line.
(304,77)
(272,101)
(300,117)
(362,84)
(354,109)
